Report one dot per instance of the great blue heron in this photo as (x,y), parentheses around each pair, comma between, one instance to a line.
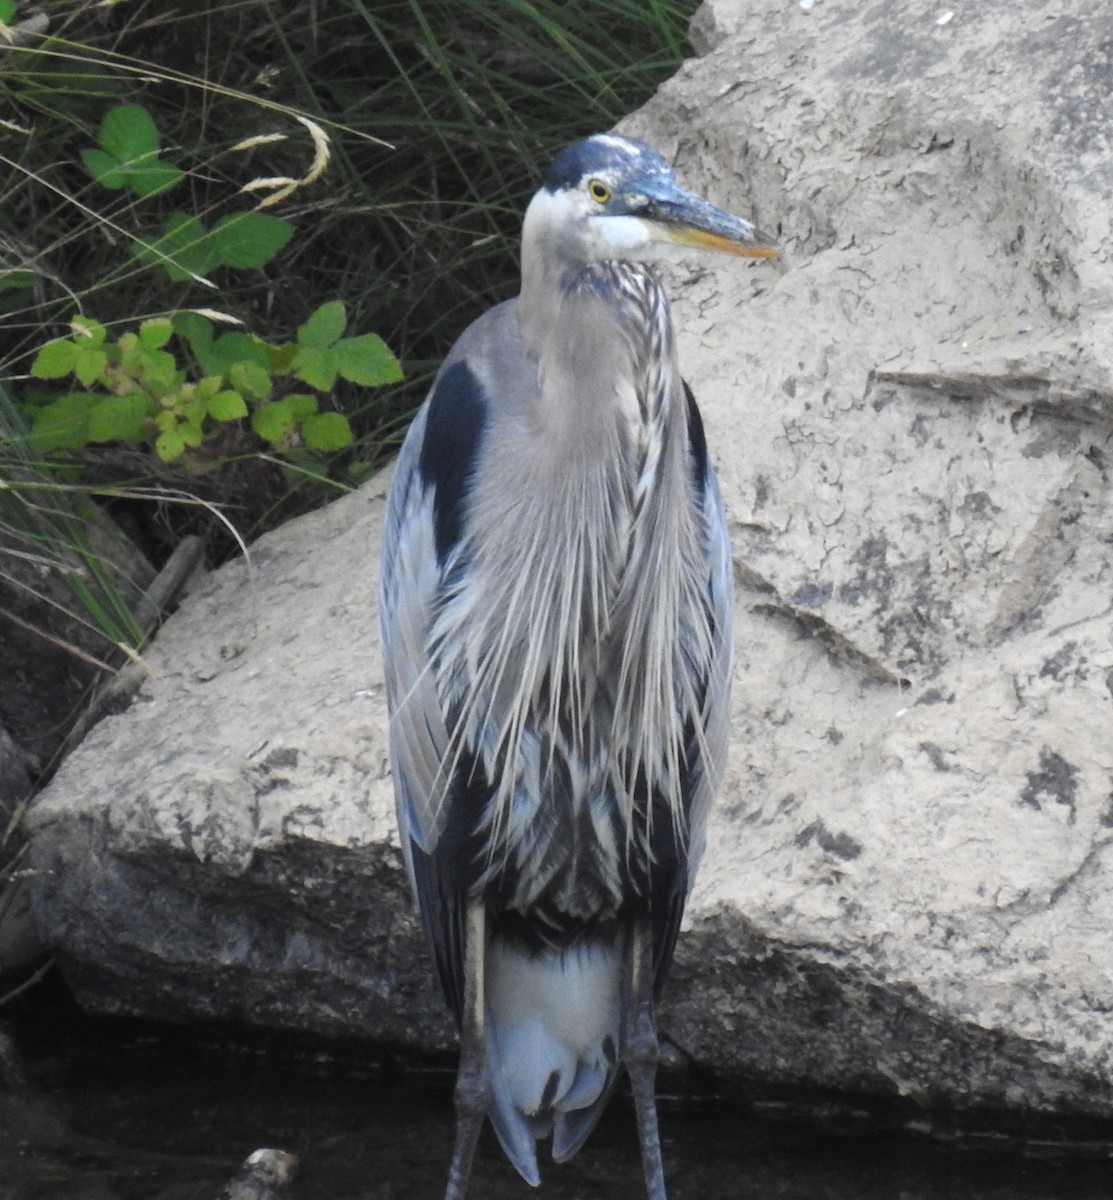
(556,604)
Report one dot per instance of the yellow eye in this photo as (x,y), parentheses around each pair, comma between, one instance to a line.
(599,191)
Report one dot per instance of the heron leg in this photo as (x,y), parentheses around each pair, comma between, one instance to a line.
(471,1076)
(641,1059)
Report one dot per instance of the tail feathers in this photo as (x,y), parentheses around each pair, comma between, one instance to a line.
(571,1129)
(517,1132)
(553,1038)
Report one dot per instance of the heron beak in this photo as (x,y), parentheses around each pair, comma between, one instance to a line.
(753,244)
(688,220)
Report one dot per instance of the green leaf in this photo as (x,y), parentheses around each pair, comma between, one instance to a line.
(155,333)
(159,371)
(250,239)
(128,153)
(242,240)
(324,326)
(89,363)
(127,131)
(16,279)
(197,332)
(169,445)
(55,360)
(206,388)
(190,433)
(119,418)
(273,422)
(15,289)
(316,367)
(87,330)
(250,378)
(7,11)
(232,348)
(326,431)
(183,251)
(226,406)
(281,356)
(301,404)
(218,357)
(149,178)
(63,424)
(277,422)
(103,167)
(366,360)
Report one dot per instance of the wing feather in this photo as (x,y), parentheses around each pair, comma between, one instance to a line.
(426,514)
(410,579)
(704,760)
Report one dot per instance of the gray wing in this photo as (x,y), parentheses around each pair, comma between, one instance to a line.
(706,751)
(716,708)
(427,513)
(422,546)
(408,587)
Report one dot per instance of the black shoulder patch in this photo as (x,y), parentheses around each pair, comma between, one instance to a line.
(697,440)
(454,431)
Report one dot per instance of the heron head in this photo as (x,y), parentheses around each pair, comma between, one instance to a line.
(610,197)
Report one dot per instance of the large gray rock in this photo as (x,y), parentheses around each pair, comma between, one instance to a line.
(909,887)
(226,847)
(915,428)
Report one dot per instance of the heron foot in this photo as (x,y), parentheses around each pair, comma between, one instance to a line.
(641,1066)
(471,1108)
(641,1057)
(471,1075)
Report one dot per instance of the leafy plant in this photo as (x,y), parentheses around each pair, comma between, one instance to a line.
(127,153)
(187,250)
(439,118)
(134,389)
(127,156)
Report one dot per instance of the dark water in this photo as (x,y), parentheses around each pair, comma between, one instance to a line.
(126,1112)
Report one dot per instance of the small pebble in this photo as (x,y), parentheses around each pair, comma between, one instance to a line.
(264,1175)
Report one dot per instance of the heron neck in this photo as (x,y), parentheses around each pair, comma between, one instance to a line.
(591,332)
(544,283)
(590,561)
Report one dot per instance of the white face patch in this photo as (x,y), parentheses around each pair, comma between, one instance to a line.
(573,227)
(618,237)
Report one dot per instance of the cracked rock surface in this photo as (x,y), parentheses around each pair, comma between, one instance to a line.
(909,882)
